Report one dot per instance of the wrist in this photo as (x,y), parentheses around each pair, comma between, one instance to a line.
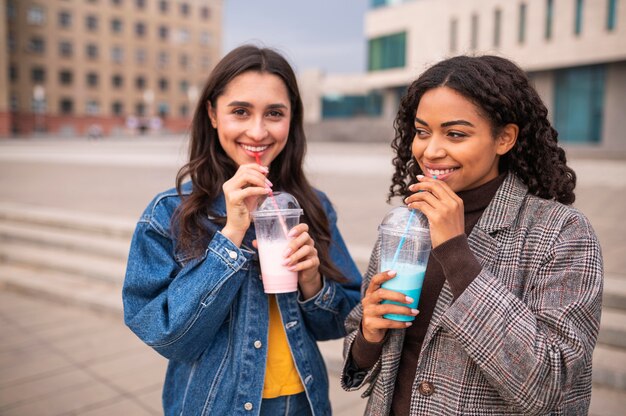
(234,235)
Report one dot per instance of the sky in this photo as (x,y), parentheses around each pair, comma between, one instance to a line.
(323,34)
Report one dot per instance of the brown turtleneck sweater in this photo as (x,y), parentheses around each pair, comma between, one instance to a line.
(452,261)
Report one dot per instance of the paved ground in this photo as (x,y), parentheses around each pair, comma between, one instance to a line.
(58,360)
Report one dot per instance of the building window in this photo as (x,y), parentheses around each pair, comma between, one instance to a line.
(346,106)
(549,18)
(163,84)
(140,4)
(117,54)
(140,56)
(387,52)
(521,34)
(38,75)
(15,104)
(92,51)
(164,109)
(140,109)
(117,108)
(497,27)
(184,9)
(116,2)
(65,19)
(205,37)
(184,86)
(92,107)
(205,62)
(92,79)
(611,17)
(66,106)
(184,110)
(182,35)
(66,77)
(117,81)
(140,29)
(163,6)
(579,103)
(140,83)
(37,45)
(183,59)
(474,32)
(36,15)
(205,13)
(163,32)
(163,59)
(116,26)
(91,22)
(11,11)
(65,49)
(578,23)
(11,42)
(13,73)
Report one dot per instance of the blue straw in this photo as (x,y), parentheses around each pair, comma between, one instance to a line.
(402,240)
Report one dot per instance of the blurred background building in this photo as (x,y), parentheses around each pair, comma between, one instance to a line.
(73,67)
(573,50)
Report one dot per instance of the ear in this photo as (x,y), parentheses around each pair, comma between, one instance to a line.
(212,114)
(507,139)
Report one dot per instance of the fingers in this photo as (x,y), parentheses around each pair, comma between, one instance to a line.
(301,253)
(378,280)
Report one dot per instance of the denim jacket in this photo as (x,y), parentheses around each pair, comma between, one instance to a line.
(209,315)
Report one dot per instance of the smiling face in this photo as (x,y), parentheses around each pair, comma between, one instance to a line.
(252,117)
(454,142)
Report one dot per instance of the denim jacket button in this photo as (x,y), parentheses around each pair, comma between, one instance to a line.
(248,406)
(258,344)
(232,255)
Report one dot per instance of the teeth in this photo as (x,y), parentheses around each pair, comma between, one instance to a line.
(440,171)
(254,148)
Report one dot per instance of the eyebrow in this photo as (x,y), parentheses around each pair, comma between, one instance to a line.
(248,105)
(447,123)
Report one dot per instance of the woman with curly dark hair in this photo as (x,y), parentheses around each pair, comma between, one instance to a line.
(510,307)
(193,287)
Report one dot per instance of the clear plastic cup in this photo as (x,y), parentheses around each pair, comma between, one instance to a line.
(405,247)
(273,219)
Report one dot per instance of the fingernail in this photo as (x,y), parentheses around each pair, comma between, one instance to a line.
(414,311)
(285,262)
(265,169)
(406,200)
(287,252)
(292,268)
(291,232)
(420,177)
(408,324)
(267,181)
(391,273)
(408,299)
(411,187)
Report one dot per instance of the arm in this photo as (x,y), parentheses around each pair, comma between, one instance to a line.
(325,312)
(175,310)
(531,349)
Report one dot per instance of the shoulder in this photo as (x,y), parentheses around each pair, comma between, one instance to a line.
(160,210)
(326,204)
(549,215)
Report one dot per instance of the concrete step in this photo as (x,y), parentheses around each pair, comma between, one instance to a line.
(606,401)
(115,247)
(609,366)
(31,214)
(49,259)
(614,295)
(613,328)
(65,288)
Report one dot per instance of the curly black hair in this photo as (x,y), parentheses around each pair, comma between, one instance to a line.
(503,94)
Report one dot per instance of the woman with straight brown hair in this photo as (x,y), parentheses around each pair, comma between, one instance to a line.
(193,288)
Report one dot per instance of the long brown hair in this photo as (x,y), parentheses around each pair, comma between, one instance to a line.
(209,166)
(503,94)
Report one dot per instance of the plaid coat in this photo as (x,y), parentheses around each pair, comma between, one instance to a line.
(519,339)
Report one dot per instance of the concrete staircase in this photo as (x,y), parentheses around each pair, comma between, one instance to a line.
(80,259)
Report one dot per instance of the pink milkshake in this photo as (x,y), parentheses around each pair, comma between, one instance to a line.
(276,277)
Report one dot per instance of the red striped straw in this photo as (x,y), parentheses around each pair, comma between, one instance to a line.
(283,224)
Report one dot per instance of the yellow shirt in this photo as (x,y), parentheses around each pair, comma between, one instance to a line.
(281,375)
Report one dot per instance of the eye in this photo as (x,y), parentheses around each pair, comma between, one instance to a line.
(275,114)
(421,133)
(457,134)
(240,112)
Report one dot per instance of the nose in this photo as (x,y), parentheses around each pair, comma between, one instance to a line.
(435,148)
(257,130)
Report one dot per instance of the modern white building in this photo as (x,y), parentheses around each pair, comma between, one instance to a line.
(573,50)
